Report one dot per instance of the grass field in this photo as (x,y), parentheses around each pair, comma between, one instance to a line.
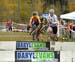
(16,36)
(21,36)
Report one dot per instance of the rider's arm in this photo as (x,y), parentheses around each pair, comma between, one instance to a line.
(30,22)
(56,19)
(39,19)
(48,21)
(39,22)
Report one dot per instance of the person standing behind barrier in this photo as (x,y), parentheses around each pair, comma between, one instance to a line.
(69,27)
(52,25)
(9,25)
(34,23)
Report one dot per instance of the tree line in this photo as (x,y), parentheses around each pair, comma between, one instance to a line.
(23,10)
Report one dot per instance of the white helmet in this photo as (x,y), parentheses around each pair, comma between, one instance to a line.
(51,11)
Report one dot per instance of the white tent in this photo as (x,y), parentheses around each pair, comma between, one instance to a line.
(68,16)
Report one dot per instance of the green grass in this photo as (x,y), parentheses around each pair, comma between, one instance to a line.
(16,36)
(22,36)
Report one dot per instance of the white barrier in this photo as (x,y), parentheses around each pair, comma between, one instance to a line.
(7,56)
(58,46)
(8,46)
(67,56)
(63,46)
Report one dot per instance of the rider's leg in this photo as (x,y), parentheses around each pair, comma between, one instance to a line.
(33,33)
(49,32)
(40,37)
(55,33)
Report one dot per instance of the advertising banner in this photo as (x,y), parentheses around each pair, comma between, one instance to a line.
(32,46)
(49,56)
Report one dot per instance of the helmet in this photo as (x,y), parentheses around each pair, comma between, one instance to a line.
(51,10)
(35,13)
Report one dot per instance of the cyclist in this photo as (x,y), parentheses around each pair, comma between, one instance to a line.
(34,23)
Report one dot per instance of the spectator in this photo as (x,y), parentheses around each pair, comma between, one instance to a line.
(68,28)
(9,25)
